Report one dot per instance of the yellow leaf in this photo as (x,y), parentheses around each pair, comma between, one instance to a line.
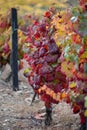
(27,72)
(67,68)
(84,55)
(64,95)
(54,96)
(58,43)
(85,113)
(72,85)
(10,44)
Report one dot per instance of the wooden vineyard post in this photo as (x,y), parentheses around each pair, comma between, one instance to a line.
(14,53)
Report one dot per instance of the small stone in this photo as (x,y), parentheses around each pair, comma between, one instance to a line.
(6,120)
(18,92)
(4,124)
(24,87)
(28,100)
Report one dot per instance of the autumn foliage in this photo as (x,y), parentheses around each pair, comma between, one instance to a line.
(43,58)
(71,35)
(55,47)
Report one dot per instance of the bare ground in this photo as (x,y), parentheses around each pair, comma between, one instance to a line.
(16,111)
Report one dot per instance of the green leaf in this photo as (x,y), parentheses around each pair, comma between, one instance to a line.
(86,102)
(84,40)
(77,62)
(72,58)
(54,65)
(66,49)
(66,55)
(85,67)
(76,11)
(77,48)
